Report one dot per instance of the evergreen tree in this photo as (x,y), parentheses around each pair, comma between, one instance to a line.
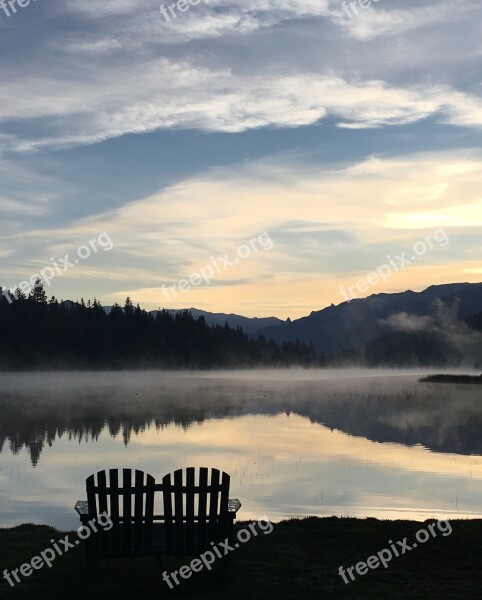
(38,293)
(73,335)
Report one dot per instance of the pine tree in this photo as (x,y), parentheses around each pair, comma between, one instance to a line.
(38,292)
(128,307)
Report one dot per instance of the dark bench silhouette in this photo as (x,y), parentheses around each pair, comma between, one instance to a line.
(195,511)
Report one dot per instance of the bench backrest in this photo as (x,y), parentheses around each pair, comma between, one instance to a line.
(194,513)
(195,509)
(128,498)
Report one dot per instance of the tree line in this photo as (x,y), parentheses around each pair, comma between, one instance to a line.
(39,333)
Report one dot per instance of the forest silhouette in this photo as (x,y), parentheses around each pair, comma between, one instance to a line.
(39,333)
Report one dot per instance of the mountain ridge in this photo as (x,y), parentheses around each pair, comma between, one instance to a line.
(345,326)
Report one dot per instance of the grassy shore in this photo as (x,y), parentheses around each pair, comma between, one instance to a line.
(299,559)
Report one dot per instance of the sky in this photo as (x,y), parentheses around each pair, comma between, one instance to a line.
(283,146)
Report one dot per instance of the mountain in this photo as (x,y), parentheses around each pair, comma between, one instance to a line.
(352,324)
(248,325)
(406,328)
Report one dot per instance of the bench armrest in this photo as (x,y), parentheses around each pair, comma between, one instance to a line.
(234,505)
(82,508)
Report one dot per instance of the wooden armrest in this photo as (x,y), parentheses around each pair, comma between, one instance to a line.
(82,507)
(234,505)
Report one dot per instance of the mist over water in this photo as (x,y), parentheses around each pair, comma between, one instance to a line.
(296,442)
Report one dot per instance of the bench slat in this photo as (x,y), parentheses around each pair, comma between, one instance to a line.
(167,499)
(139,511)
(213,505)
(114,509)
(103,508)
(202,507)
(180,542)
(127,510)
(190,499)
(149,514)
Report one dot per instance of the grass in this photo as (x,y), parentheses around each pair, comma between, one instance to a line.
(299,559)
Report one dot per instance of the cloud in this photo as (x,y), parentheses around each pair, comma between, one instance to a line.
(115,68)
(84,45)
(136,24)
(233,66)
(217,18)
(327,224)
(9,206)
(171,95)
(29,191)
(286,196)
(271,10)
(380,20)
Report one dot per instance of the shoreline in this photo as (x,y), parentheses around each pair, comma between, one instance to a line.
(300,558)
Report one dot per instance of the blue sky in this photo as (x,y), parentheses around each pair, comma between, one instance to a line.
(346,140)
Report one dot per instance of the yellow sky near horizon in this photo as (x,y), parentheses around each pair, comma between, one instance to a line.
(328,227)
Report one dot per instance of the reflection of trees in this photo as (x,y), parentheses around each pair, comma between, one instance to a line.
(443,419)
(442,427)
(21,430)
(32,423)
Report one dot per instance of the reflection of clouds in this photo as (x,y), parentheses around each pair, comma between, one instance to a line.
(296,439)
(382,409)
(282,466)
(269,430)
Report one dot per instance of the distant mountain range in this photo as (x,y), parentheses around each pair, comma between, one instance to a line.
(397,327)
(249,325)
(351,324)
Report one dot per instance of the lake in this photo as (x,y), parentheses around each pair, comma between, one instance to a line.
(295,442)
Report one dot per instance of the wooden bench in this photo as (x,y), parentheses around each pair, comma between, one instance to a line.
(196,511)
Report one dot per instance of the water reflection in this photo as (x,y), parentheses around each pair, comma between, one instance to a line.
(295,443)
(36,410)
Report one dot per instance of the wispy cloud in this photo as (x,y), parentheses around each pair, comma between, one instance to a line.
(243,77)
(383,20)
(405,73)
(217,101)
(323,221)
(12,207)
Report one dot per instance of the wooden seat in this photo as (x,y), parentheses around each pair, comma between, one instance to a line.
(196,511)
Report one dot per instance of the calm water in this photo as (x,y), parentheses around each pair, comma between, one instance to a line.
(295,442)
